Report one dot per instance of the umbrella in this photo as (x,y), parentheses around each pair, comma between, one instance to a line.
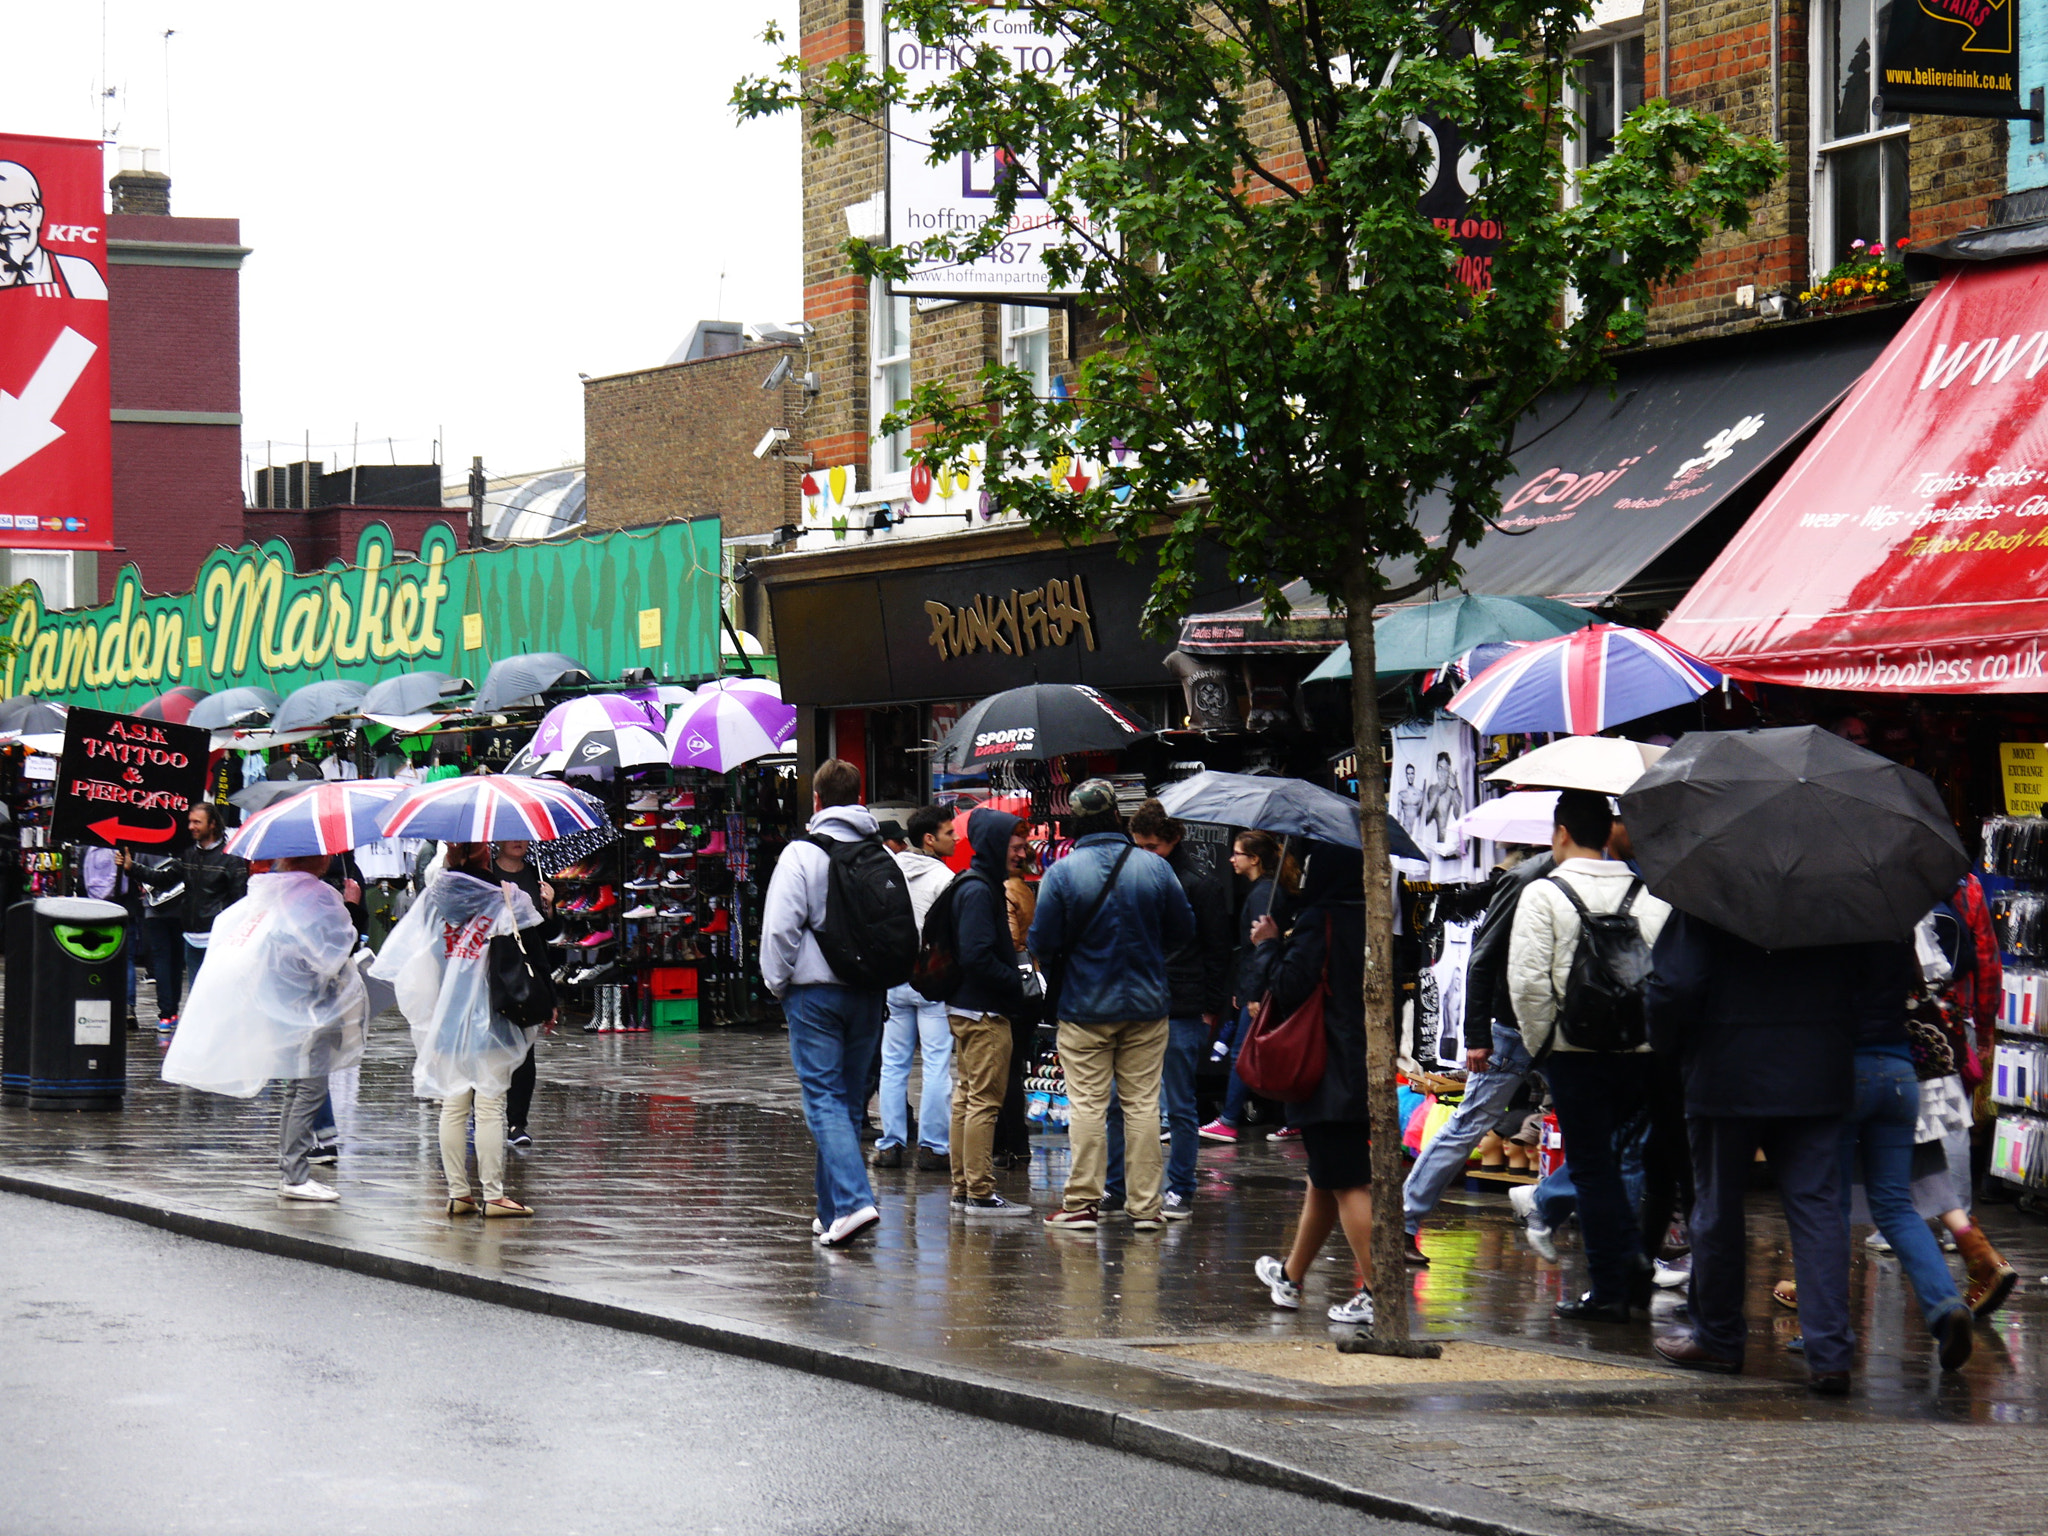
(329,817)
(411,693)
(1040,720)
(564,726)
(1525,816)
(1291,807)
(1460,670)
(11,710)
(173,705)
(221,711)
(35,718)
(551,858)
(1792,837)
(628,746)
(1605,764)
(317,703)
(521,677)
(266,792)
(1430,634)
(491,808)
(1582,683)
(728,726)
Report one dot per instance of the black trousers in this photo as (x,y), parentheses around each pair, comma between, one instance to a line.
(1597,1093)
(1667,1159)
(519,1097)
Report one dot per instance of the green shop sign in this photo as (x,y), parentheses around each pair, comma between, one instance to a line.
(639,598)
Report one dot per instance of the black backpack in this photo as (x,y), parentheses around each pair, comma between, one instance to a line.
(936,976)
(1602,1008)
(870,934)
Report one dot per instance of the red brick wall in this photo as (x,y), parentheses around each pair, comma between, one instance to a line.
(318,535)
(177,496)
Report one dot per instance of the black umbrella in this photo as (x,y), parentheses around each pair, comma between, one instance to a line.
(316,704)
(1291,807)
(1040,721)
(267,792)
(33,717)
(517,678)
(11,710)
(1792,837)
(411,693)
(224,710)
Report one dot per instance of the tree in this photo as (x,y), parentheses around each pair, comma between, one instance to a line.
(1282,328)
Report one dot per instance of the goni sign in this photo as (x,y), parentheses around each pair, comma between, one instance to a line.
(123,779)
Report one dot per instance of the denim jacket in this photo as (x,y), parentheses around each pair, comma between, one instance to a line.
(1117,969)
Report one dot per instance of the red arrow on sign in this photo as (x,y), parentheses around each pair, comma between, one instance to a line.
(112,831)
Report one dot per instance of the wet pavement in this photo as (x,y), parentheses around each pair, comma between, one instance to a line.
(671,1173)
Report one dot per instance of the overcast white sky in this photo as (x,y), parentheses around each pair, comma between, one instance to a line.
(455,207)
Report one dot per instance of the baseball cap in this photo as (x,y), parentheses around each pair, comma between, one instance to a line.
(1093,797)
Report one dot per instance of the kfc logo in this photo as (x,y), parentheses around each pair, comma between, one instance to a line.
(24,261)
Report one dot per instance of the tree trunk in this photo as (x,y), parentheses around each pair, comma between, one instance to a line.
(1361,588)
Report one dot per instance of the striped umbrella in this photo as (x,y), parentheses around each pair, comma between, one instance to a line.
(173,705)
(727,726)
(491,808)
(563,728)
(1582,683)
(329,817)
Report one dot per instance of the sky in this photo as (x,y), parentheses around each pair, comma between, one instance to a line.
(455,208)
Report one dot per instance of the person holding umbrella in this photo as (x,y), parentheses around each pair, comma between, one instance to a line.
(214,880)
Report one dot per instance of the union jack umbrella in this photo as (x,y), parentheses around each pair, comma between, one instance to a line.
(330,817)
(492,808)
(1582,683)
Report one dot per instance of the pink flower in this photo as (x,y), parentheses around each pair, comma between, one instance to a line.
(1856,245)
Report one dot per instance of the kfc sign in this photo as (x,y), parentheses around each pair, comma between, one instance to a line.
(56,479)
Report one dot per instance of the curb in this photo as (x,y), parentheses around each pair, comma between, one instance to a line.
(1070,1416)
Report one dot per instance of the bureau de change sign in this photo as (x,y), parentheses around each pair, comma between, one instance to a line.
(126,780)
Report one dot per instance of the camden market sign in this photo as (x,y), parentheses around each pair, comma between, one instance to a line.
(639,598)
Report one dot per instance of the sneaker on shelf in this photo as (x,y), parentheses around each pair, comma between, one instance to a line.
(1083,1220)
(1272,1275)
(1357,1311)
(1286,1133)
(645,883)
(1540,1239)
(1411,1250)
(846,1228)
(1218,1130)
(644,824)
(518,1136)
(645,909)
(308,1191)
(646,800)
(995,1205)
(1176,1207)
(675,824)
(681,800)
(675,854)
(560,941)
(674,909)
(675,880)
(591,941)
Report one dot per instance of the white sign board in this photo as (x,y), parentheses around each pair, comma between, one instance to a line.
(957,196)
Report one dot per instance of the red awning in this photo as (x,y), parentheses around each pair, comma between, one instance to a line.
(1907,549)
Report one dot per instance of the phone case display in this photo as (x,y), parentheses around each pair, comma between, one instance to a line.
(2015,852)
(35,864)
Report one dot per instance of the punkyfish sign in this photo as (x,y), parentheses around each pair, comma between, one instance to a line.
(631,598)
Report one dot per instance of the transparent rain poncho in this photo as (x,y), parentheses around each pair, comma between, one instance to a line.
(436,960)
(280,994)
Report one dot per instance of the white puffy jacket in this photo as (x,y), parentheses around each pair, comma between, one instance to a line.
(1546,935)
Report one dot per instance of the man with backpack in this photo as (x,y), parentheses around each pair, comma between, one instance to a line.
(1578,962)
(988,994)
(837,932)
(1106,922)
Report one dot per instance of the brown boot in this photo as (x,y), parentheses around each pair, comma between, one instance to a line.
(1991,1278)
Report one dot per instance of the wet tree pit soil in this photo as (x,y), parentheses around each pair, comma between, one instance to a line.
(1318,1363)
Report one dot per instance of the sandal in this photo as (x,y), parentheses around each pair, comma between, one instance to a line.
(506,1207)
(461,1205)
(1786,1294)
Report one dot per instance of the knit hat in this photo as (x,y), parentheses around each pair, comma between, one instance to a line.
(1095,797)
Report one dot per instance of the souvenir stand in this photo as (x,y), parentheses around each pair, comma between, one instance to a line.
(2014,871)
(28,785)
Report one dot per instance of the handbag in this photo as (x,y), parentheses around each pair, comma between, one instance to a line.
(1284,1059)
(520,990)
(1055,965)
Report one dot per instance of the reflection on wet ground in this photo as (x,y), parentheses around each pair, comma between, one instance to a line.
(672,1172)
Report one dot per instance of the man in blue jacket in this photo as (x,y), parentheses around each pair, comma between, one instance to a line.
(990,994)
(1109,920)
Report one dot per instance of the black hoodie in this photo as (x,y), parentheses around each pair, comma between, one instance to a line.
(989,979)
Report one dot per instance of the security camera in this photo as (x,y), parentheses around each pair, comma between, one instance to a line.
(778,375)
(771,440)
(813,385)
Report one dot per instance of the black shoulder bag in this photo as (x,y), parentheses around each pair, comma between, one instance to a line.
(1055,965)
(520,989)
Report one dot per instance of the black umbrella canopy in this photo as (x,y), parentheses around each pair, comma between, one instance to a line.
(1290,807)
(316,704)
(412,693)
(267,792)
(1792,837)
(27,716)
(1036,722)
(521,677)
(230,707)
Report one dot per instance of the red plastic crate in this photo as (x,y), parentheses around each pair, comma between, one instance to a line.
(666,982)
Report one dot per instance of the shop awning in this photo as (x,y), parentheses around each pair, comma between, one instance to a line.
(1611,478)
(1907,549)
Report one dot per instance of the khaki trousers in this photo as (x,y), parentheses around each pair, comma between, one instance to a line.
(1128,1056)
(490,1143)
(981,1073)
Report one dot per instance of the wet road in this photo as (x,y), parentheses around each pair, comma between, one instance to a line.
(151,1383)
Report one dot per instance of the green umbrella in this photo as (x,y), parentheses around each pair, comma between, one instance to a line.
(1430,634)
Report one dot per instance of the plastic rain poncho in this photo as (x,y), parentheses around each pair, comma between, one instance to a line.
(436,960)
(280,994)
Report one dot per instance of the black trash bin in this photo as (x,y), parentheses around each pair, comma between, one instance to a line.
(64,1044)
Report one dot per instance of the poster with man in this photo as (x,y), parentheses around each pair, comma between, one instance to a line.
(1434,772)
(56,475)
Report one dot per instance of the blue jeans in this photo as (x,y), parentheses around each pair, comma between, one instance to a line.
(165,951)
(194,958)
(1234,1095)
(1486,1096)
(1877,1144)
(1187,1040)
(1556,1198)
(833,1035)
(1600,1098)
(914,1024)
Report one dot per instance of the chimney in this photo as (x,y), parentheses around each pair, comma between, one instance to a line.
(139,187)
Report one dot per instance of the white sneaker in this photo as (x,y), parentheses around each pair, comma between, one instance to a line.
(308,1191)
(817,1227)
(1672,1276)
(847,1227)
(1540,1239)
(1272,1275)
(1876,1243)
(1523,1198)
(1357,1310)
(1174,1208)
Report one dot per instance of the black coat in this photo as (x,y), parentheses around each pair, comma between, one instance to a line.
(214,881)
(1250,967)
(1759,1032)
(1332,930)
(1198,974)
(989,979)
(1486,971)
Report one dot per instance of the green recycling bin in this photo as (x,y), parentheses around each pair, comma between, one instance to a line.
(64,1044)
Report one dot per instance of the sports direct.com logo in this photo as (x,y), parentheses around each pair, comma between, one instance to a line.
(996,743)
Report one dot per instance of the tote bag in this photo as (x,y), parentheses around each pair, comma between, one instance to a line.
(1283,1059)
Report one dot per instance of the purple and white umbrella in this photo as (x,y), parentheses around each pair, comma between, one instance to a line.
(563,728)
(730,723)
(625,746)
(330,817)
(491,808)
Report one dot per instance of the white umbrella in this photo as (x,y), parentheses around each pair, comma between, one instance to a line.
(1525,816)
(1604,764)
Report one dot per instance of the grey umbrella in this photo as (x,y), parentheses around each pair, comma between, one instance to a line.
(227,709)
(316,704)
(269,791)
(411,693)
(1292,807)
(1792,837)
(23,707)
(521,677)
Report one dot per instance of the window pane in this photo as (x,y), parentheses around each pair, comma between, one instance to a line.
(1032,356)
(895,338)
(892,453)
(1897,190)
(1890,119)
(1853,190)
(1596,105)
(1629,69)
(1849,102)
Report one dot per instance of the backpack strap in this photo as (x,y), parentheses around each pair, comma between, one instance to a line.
(1101,896)
(1572,896)
(1635,888)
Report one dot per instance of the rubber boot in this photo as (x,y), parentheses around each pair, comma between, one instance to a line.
(1991,1278)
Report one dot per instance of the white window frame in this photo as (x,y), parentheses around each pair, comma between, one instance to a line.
(1822,183)
(1020,324)
(1575,146)
(889,380)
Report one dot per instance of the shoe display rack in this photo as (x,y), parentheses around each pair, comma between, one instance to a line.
(2014,872)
